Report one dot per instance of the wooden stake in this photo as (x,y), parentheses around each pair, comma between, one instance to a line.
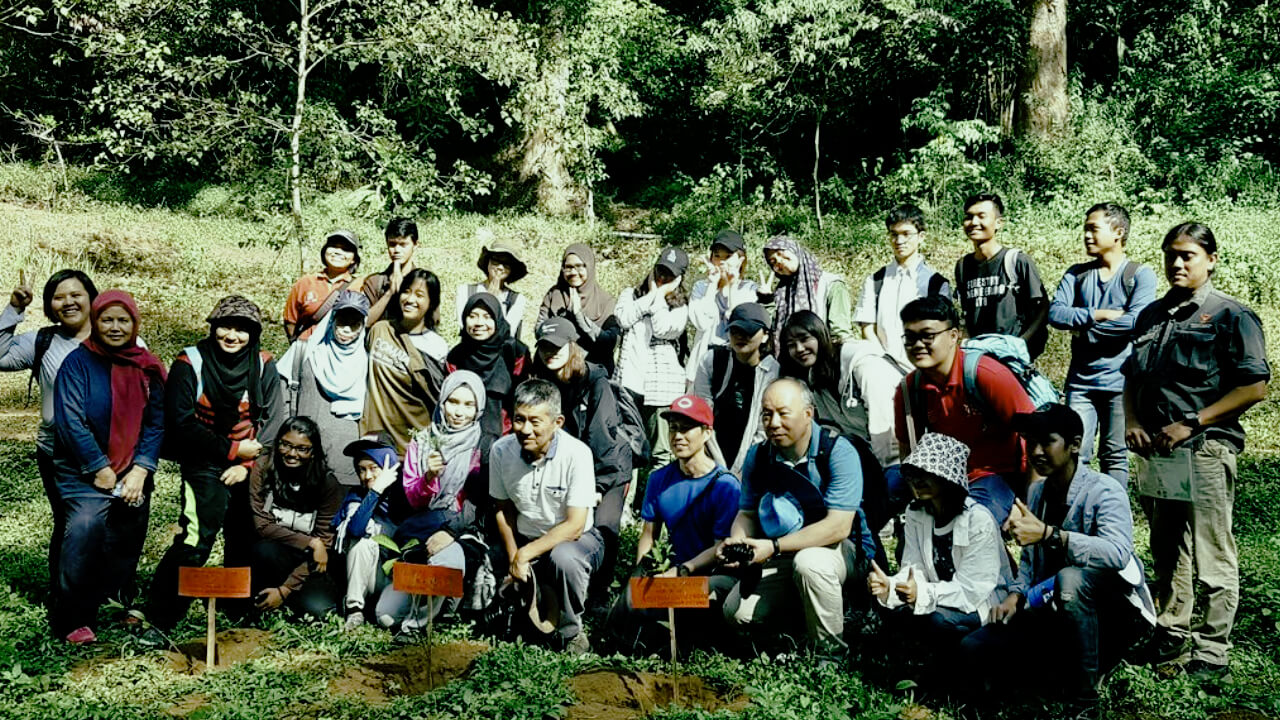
(430,665)
(675,682)
(211,637)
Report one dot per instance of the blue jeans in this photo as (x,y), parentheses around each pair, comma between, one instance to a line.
(1103,414)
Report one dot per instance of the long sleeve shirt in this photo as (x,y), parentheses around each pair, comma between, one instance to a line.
(1099,349)
(976,551)
(648,363)
(198,440)
(709,310)
(83,412)
(268,528)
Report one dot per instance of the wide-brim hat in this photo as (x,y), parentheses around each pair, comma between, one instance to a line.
(503,247)
(943,457)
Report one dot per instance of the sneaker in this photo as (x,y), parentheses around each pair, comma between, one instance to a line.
(578,644)
(1165,648)
(81,636)
(355,619)
(1203,671)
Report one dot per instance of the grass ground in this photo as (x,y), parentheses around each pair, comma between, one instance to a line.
(178,262)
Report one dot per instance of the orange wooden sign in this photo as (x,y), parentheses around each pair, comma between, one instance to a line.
(213,582)
(670,592)
(417,579)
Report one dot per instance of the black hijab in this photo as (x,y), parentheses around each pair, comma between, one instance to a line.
(492,359)
(228,376)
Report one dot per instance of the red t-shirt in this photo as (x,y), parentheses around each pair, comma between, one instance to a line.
(994,449)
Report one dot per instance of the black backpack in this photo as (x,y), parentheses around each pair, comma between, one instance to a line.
(631,426)
(44,339)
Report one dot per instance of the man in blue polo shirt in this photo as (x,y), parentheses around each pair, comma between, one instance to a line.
(801,500)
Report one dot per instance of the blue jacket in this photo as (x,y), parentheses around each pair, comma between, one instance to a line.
(82,417)
(1099,349)
(1098,529)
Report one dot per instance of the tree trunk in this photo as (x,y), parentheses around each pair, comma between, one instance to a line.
(1043,109)
(544,146)
(295,131)
(817,157)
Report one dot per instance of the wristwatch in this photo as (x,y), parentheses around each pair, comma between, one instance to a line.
(1192,419)
(683,570)
(777,550)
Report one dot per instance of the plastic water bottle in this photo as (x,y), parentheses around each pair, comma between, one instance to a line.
(1042,594)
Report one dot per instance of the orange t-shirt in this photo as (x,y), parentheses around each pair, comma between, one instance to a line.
(307,295)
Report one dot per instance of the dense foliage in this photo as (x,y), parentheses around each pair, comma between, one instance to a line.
(831,105)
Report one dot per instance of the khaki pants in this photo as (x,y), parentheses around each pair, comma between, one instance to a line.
(1191,540)
(814,578)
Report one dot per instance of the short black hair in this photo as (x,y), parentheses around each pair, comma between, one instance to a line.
(992,198)
(402,227)
(931,307)
(57,279)
(1116,215)
(905,212)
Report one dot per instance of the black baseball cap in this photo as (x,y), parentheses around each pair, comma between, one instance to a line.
(749,318)
(1049,419)
(729,240)
(675,260)
(556,331)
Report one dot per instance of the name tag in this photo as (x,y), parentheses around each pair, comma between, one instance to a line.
(1167,478)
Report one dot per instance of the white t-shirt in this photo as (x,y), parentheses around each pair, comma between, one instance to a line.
(543,491)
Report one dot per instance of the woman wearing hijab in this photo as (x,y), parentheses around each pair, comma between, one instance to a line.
(488,349)
(294,497)
(442,482)
(67,297)
(577,297)
(366,513)
(109,415)
(327,376)
(802,285)
(223,404)
(406,362)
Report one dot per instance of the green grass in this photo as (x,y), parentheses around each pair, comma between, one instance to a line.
(180,256)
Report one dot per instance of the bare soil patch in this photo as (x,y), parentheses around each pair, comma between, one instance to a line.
(621,695)
(234,646)
(405,671)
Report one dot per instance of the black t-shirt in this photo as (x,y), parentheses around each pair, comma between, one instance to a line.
(992,304)
(944,561)
(732,406)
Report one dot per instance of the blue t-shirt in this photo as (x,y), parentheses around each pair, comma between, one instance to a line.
(695,519)
(1099,349)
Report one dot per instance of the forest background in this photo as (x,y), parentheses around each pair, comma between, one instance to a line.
(183,149)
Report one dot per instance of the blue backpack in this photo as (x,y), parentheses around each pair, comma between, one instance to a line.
(1010,351)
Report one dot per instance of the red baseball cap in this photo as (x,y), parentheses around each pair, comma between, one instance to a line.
(692,407)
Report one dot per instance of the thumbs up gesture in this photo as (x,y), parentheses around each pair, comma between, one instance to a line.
(878,582)
(1026,528)
(907,590)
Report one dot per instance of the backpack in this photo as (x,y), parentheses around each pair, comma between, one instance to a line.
(875,488)
(44,339)
(1009,269)
(631,426)
(1008,350)
(936,281)
(168,450)
(1127,279)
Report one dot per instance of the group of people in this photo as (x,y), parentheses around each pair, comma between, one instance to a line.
(782,433)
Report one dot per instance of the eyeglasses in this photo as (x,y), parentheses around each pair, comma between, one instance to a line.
(573,266)
(911,338)
(287,447)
